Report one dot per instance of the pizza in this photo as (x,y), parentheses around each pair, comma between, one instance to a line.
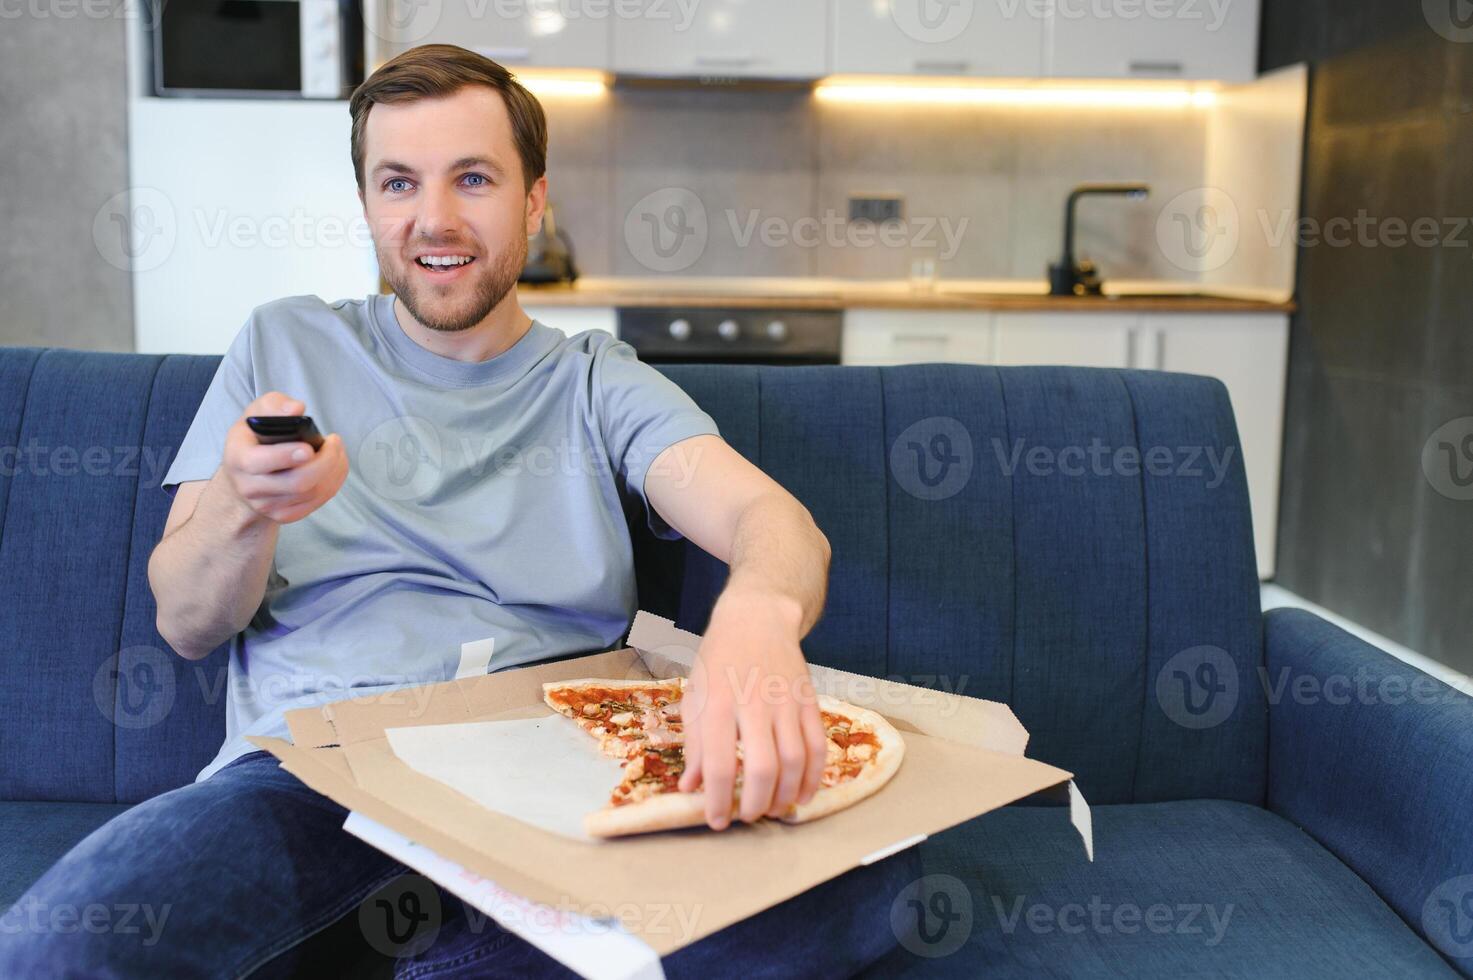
(639,722)
(625,716)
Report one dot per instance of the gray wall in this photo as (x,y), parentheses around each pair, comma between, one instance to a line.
(1381,362)
(995,175)
(63,156)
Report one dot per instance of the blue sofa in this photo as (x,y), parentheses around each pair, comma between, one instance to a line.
(1271,796)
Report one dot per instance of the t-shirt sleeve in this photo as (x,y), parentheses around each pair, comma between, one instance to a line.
(230,391)
(641,413)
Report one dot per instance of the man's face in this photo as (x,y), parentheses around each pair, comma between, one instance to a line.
(442,185)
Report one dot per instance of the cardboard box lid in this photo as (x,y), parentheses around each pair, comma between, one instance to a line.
(964,757)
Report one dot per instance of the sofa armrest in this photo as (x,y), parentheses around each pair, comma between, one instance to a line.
(1374,759)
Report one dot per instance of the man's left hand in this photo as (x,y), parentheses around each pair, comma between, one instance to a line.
(750,685)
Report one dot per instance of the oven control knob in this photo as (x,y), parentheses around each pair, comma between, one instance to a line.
(728,329)
(680,329)
(777,330)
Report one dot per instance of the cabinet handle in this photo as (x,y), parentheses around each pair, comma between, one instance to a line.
(921,338)
(505,54)
(1156,67)
(725,61)
(956,66)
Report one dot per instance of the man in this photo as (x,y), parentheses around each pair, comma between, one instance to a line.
(472,488)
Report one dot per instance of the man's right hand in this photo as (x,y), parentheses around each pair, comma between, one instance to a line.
(286,481)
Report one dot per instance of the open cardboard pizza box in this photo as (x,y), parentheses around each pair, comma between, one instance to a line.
(612,908)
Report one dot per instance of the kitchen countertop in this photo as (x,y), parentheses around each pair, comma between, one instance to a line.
(951,294)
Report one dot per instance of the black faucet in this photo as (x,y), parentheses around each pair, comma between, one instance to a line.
(1070,278)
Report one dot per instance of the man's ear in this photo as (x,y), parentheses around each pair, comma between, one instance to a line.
(536,204)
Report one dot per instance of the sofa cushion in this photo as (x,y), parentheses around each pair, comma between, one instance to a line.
(1054,538)
(1197,888)
(34,835)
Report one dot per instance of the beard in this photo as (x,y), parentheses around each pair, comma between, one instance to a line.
(493,281)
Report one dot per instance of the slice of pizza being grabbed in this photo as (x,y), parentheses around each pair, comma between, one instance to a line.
(639,722)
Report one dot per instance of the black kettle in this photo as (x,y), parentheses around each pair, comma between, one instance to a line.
(549,254)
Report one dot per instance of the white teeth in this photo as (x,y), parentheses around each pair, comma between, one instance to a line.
(441,260)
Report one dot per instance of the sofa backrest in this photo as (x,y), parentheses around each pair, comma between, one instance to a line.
(1068,541)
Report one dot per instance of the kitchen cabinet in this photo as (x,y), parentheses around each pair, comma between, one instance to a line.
(724,38)
(520,35)
(575,319)
(920,37)
(1092,340)
(1171,39)
(878,337)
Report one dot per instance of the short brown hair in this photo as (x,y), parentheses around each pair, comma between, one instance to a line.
(435,70)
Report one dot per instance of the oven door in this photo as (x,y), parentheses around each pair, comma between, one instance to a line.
(714,335)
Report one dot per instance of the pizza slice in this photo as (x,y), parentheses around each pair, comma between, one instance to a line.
(626,716)
(863,752)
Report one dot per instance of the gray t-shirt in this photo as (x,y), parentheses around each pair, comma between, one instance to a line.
(484,502)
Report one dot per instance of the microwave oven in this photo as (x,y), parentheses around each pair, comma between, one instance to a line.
(258,48)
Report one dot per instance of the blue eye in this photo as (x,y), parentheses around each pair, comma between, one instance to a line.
(479,178)
(389,184)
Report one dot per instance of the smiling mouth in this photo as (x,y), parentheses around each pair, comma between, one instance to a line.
(443,265)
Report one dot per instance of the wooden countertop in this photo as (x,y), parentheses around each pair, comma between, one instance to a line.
(830,294)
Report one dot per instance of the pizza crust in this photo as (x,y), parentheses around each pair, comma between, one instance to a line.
(831,799)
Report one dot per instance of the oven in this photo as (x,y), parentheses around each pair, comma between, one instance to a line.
(772,335)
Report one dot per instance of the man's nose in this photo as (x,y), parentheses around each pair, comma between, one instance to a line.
(439,213)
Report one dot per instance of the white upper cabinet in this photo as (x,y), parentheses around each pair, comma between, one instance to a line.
(980,38)
(1168,39)
(531,33)
(724,38)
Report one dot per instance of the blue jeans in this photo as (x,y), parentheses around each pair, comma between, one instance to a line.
(228,877)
